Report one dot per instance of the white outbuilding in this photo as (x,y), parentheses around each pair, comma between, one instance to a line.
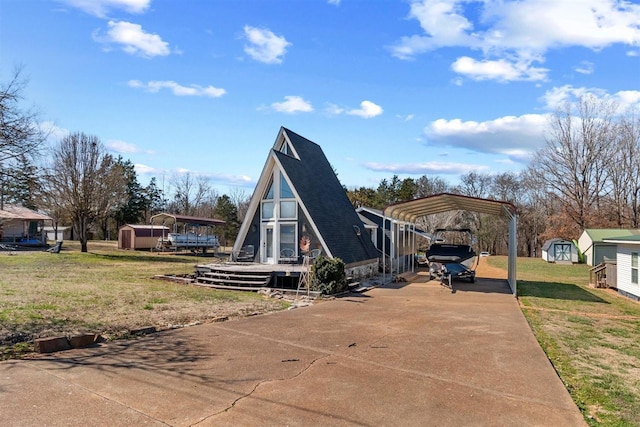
(628,264)
(560,251)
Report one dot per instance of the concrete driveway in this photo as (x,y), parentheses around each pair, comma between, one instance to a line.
(411,354)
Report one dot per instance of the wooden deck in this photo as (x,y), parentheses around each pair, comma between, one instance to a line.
(252,267)
(249,276)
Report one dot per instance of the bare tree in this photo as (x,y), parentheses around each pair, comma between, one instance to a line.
(475,184)
(20,133)
(241,200)
(192,195)
(428,186)
(625,172)
(85,182)
(575,160)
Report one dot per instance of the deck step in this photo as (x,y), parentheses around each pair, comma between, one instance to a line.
(230,287)
(249,283)
(354,285)
(227,275)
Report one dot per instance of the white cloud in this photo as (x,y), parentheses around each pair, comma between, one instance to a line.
(133,39)
(501,70)
(292,104)
(334,110)
(426,168)
(177,89)
(123,147)
(231,180)
(53,132)
(521,32)
(264,45)
(334,2)
(557,97)
(406,118)
(514,137)
(367,110)
(585,67)
(100,8)
(146,170)
(217,178)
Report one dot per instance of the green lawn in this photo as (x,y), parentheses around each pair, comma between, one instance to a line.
(106,291)
(592,337)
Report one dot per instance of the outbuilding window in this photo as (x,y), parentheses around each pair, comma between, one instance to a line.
(634,267)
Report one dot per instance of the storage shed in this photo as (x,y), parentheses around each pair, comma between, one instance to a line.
(132,236)
(64,233)
(560,250)
(628,265)
(594,247)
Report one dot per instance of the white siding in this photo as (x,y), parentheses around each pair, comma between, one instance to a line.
(624,269)
(585,244)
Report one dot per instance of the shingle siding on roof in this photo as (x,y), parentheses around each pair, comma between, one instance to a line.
(326,201)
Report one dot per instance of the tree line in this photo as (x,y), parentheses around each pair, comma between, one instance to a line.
(585,175)
(77,182)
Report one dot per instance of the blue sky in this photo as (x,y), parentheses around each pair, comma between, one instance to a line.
(428,87)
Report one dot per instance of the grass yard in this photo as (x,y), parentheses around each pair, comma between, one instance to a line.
(106,291)
(592,337)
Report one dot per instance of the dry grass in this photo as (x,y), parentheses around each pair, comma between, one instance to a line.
(106,291)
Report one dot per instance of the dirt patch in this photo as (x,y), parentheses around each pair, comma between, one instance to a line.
(484,270)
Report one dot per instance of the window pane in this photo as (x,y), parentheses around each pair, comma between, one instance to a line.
(288,210)
(288,238)
(269,242)
(634,275)
(267,210)
(634,259)
(269,194)
(285,190)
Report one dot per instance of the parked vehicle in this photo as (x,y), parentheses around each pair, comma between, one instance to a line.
(452,255)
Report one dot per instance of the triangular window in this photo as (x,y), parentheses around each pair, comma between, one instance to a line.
(269,194)
(285,190)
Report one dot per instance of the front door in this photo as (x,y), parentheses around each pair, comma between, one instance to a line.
(126,239)
(267,243)
(563,252)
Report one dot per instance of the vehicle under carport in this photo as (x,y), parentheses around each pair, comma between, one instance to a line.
(405,214)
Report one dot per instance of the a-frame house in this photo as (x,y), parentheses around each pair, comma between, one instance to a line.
(299,205)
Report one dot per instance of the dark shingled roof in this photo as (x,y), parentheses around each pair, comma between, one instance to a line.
(326,201)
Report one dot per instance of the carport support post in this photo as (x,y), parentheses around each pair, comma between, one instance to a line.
(384,249)
(513,253)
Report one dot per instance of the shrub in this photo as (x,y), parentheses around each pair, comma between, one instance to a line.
(328,276)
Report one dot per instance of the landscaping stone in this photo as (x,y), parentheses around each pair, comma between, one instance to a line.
(83,340)
(50,345)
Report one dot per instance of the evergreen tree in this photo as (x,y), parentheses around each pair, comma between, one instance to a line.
(133,209)
(228,212)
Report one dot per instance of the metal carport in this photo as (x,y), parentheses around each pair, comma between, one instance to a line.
(406,213)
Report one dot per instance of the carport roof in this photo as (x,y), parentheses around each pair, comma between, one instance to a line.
(413,209)
(168,219)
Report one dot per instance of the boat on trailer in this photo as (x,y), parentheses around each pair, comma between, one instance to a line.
(452,256)
(189,240)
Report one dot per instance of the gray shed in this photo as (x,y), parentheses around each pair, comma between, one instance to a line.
(560,250)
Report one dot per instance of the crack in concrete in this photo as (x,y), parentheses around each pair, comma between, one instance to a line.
(444,379)
(260,383)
